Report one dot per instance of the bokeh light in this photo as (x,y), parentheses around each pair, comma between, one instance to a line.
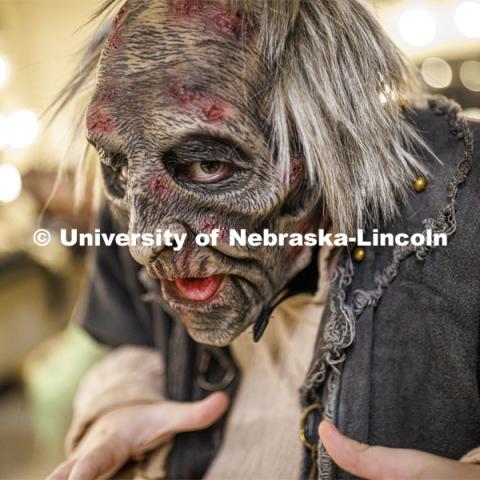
(467,19)
(10,183)
(4,71)
(470,75)
(3,131)
(417,27)
(473,113)
(21,129)
(436,72)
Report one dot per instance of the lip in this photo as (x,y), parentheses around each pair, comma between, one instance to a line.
(195,290)
(199,289)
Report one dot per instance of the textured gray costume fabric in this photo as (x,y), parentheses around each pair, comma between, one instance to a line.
(409,375)
(397,355)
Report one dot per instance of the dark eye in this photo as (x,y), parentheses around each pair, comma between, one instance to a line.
(201,162)
(115,173)
(208,172)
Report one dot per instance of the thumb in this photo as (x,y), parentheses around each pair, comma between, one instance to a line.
(191,416)
(160,422)
(372,462)
(369,462)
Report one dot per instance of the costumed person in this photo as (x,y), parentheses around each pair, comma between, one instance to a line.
(289,116)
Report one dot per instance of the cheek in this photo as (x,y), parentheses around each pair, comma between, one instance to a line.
(159,188)
(296,173)
(207,224)
(184,257)
(294,252)
(302,227)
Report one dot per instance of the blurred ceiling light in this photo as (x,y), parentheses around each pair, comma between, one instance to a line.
(3,131)
(4,71)
(473,113)
(470,75)
(21,129)
(436,72)
(10,183)
(417,27)
(467,19)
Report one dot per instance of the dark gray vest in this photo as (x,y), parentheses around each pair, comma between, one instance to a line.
(396,360)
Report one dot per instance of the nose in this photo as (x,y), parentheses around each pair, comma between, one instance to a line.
(145,253)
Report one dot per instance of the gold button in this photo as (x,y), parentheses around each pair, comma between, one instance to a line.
(359,254)
(420,184)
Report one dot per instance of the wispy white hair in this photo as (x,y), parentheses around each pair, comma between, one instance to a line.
(338,93)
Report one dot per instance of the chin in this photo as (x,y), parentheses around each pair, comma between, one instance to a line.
(219,318)
(220,327)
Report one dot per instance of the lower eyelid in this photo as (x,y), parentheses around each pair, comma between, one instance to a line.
(204,177)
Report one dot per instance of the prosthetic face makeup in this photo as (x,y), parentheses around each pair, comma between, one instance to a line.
(178,120)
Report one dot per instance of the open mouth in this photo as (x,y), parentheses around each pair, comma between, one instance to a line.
(199,289)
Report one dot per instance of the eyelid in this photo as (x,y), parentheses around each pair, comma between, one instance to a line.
(210,178)
(241,162)
(235,154)
(111,158)
(106,147)
(245,151)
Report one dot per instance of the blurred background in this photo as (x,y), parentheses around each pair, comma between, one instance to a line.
(41,357)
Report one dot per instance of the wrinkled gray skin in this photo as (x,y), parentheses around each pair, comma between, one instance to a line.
(180,84)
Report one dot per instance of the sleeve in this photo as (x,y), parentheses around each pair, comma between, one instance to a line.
(126,376)
(113,312)
(111,309)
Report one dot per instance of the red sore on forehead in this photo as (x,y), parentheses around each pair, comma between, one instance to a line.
(209,108)
(120,16)
(217,16)
(188,7)
(99,122)
(115,37)
(213,110)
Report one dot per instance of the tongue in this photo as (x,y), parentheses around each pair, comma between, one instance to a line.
(199,289)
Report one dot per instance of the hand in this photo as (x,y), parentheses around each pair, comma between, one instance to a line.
(130,431)
(383,463)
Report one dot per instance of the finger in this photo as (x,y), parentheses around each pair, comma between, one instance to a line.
(161,421)
(62,471)
(187,417)
(389,463)
(101,462)
(369,462)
